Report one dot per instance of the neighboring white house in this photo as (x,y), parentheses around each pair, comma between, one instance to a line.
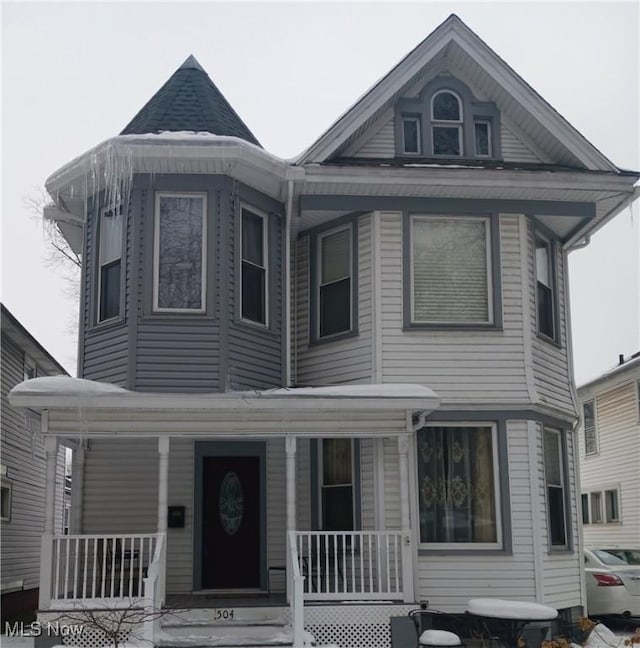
(22,471)
(609,443)
(345,377)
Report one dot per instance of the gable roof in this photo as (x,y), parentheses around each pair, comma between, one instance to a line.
(454,40)
(189,101)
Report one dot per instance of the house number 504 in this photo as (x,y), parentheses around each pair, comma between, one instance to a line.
(224,615)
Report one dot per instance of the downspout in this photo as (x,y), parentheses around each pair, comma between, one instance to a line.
(287,284)
(575,445)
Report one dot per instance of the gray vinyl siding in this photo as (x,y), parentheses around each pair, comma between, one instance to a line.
(24,456)
(550,360)
(467,366)
(449,581)
(615,465)
(561,569)
(342,361)
(514,149)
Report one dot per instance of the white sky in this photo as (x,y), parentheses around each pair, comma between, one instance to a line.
(74,74)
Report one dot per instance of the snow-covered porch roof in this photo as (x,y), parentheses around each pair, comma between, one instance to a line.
(76,407)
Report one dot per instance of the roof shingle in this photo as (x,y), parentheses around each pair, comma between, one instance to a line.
(189,101)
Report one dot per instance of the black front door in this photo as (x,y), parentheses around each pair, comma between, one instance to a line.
(230,522)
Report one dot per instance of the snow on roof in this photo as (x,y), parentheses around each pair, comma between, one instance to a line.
(519,610)
(65,392)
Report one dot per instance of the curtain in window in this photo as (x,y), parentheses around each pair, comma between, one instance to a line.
(456,485)
(180,252)
(450,270)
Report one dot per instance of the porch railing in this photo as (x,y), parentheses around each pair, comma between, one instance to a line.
(90,567)
(154,594)
(350,564)
(297,593)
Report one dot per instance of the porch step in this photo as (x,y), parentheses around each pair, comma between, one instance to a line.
(236,627)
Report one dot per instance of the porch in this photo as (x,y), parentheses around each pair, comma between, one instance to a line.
(128,560)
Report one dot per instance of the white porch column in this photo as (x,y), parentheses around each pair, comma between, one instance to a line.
(290,447)
(163,501)
(405,516)
(46,551)
(77,488)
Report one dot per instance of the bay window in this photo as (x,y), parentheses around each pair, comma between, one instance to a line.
(545,289)
(180,252)
(458,485)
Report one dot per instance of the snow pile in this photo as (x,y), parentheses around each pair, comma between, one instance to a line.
(65,385)
(439,638)
(517,610)
(385,390)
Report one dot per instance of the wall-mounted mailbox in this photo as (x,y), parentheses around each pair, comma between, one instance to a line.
(175,517)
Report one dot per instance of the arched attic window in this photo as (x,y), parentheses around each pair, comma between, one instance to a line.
(446,124)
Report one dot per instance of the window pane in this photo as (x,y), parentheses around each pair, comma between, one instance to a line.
(552,466)
(253,293)
(611,504)
(542,263)
(411,137)
(180,252)
(335,256)
(482,138)
(446,107)
(545,310)
(252,238)
(336,461)
(596,507)
(446,140)
(590,439)
(450,270)
(556,515)
(337,508)
(456,485)
(109,291)
(335,308)
(110,236)
(585,508)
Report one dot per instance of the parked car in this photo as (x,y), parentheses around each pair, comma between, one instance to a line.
(613,581)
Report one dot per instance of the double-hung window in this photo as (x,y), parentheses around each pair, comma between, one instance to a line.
(589,422)
(596,507)
(110,263)
(611,505)
(254,266)
(451,270)
(554,475)
(336,485)
(335,289)
(458,485)
(179,277)
(411,136)
(545,297)
(446,124)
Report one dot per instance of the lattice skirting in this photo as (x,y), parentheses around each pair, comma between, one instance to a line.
(353,626)
(68,633)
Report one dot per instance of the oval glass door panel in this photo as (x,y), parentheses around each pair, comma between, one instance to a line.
(231,503)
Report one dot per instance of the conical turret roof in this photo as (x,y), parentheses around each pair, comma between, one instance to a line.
(189,101)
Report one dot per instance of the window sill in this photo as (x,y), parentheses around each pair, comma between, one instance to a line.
(106,325)
(426,326)
(424,550)
(549,340)
(315,341)
(560,551)
(257,326)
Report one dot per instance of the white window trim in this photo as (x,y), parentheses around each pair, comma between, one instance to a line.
(489,257)
(103,211)
(448,123)
(563,484)
(488,123)
(595,428)
(466,546)
(265,257)
(156,250)
(321,484)
(602,491)
(410,118)
(319,283)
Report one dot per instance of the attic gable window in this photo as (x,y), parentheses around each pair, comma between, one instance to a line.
(446,124)
(254,266)
(110,262)
(411,135)
(179,263)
